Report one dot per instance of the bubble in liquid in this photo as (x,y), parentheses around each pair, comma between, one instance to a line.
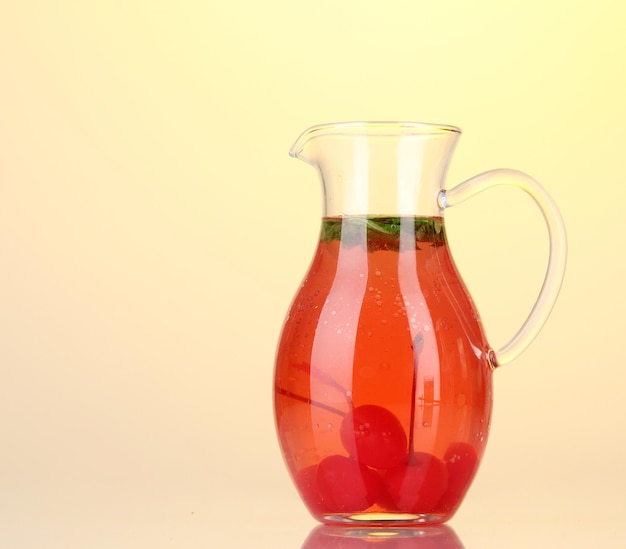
(377,272)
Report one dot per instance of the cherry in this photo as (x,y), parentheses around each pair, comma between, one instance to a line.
(306,482)
(461,462)
(347,486)
(374,436)
(418,486)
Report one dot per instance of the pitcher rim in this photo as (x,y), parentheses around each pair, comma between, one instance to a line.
(371,129)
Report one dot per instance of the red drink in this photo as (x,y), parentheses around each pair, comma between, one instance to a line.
(383,384)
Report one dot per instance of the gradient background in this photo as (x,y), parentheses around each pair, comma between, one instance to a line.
(153,231)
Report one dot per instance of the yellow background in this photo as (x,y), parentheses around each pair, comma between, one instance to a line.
(153,231)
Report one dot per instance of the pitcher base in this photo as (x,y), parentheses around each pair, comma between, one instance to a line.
(384,519)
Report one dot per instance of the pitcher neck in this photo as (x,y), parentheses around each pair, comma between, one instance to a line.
(379,168)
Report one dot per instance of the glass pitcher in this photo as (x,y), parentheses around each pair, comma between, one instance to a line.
(383,375)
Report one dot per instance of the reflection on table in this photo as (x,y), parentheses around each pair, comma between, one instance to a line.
(344,537)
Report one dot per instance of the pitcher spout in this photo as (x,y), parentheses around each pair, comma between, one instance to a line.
(379,168)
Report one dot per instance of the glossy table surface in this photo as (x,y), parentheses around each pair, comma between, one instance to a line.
(279,521)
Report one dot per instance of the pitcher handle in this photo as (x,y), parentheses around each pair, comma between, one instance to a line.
(556,260)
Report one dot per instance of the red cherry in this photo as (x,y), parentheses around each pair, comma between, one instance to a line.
(306,482)
(347,486)
(461,462)
(417,487)
(374,436)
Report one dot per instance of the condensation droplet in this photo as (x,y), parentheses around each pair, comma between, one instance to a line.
(377,272)
(316,426)
(426,424)
(329,426)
